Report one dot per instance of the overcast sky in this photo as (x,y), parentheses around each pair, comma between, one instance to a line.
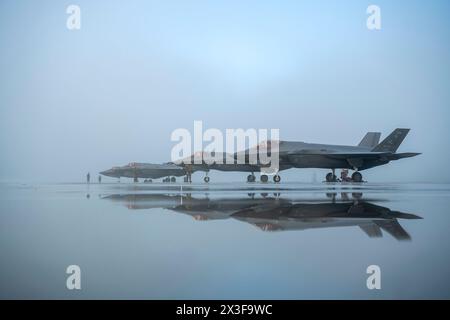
(113,91)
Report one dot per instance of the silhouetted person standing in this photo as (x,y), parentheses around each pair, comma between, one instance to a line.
(88,177)
(99,179)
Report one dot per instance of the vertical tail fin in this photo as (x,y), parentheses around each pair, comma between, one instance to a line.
(392,142)
(370,140)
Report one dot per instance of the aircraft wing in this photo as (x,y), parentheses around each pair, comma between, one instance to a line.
(355,159)
(354,155)
(394,229)
(372,230)
(348,155)
(341,155)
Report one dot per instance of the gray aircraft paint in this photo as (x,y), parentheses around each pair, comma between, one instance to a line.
(278,214)
(292,154)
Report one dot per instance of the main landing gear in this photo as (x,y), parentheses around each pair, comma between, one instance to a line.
(331,177)
(264,178)
(357,177)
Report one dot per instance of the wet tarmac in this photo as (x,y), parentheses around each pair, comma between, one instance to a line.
(225,241)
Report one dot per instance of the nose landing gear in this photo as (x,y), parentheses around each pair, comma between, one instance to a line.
(206,178)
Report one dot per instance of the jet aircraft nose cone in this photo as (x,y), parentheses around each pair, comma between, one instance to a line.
(109,173)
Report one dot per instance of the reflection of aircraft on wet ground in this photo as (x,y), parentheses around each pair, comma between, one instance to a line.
(277,214)
(292,154)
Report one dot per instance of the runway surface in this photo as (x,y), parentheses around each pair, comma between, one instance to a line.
(225,241)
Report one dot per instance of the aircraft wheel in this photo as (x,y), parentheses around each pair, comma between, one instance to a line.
(276,178)
(264,178)
(330,177)
(251,178)
(206,179)
(357,177)
(135,180)
(173,179)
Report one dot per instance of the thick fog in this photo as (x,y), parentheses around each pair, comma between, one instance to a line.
(112,92)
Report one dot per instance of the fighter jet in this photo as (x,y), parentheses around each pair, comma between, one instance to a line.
(145,170)
(279,214)
(228,163)
(292,154)
(370,218)
(358,158)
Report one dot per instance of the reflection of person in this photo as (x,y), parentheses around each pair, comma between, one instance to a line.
(88,177)
(99,179)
